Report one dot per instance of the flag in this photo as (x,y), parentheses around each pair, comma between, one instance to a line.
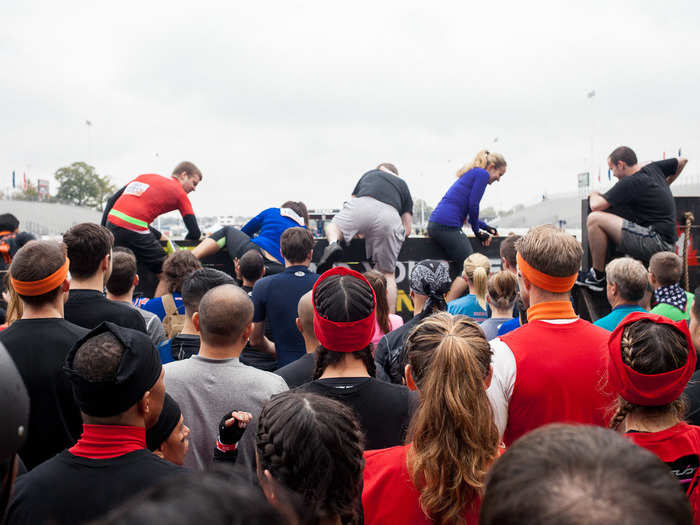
(679,152)
(609,174)
(13,178)
(24,187)
(598,174)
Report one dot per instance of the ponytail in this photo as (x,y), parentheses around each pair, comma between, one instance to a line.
(477,268)
(483,160)
(453,435)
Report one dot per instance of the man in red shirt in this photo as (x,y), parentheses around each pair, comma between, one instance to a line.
(550,369)
(130,211)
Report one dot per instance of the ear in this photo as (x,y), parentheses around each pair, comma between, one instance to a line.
(65,286)
(488,299)
(195,321)
(487,380)
(527,284)
(410,383)
(159,453)
(144,404)
(245,336)
(264,271)
(105,261)
(136,281)
(237,268)
(299,327)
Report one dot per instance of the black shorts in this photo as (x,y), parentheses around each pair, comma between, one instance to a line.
(145,246)
(641,242)
(238,243)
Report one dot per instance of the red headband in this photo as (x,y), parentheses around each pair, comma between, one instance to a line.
(340,336)
(42,286)
(543,280)
(648,389)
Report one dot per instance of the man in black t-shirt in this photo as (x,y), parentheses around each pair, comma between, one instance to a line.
(301,371)
(381,211)
(637,215)
(90,253)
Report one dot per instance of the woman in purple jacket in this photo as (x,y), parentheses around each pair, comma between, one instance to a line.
(461,203)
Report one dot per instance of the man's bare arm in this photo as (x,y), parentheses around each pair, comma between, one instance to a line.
(407,220)
(597,202)
(681,165)
(259,341)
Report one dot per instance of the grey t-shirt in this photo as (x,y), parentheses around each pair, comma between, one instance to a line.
(491,326)
(206,389)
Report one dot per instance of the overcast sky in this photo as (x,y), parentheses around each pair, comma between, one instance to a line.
(290,100)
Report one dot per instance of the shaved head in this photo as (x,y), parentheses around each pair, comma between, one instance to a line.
(224,313)
(305,313)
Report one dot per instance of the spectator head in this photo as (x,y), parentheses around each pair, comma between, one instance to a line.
(430,281)
(312,445)
(15,421)
(508,253)
(476,271)
(205,498)
(225,316)
(117,377)
(622,161)
(651,361)
(169,437)
(300,209)
(251,266)
(297,245)
(305,318)
(39,273)
(576,475)
(377,281)
(198,283)
(177,266)
(485,160)
(89,250)
(388,167)
(8,223)
(344,319)
(502,290)
(548,260)
(188,175)
(123,278)
(665,269)
(627,281)
(453,436)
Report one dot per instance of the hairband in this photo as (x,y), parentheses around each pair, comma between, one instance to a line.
(648,389)
(544,281)
(344,336)
(42,286)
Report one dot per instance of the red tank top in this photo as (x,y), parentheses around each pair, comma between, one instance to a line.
(560,376)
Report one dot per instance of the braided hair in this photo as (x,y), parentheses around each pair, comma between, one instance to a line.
(343,298)
(651,348)
(313,446)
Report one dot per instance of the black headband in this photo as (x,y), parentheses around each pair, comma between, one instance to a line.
(139,369)
(168,420)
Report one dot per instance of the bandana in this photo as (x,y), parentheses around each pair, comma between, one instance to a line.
(340,336)
(431,278)
(648,389)
(672,295)
(167,421)
(543,280)
(138,371)
(42,286)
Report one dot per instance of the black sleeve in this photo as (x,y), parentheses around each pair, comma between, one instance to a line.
(110,203)
(357,186)
(23,238)
(381,358)
(193,232)
(668,167)
(155,232)
(622,192)
(406,199)
(225,457)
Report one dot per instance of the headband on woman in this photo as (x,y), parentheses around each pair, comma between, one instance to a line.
(544,281)
(340,336)
(648,389)
(42,286)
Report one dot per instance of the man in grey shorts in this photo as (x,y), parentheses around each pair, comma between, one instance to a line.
(638,214)
(381,211)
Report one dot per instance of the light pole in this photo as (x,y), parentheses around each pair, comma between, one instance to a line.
(89,125)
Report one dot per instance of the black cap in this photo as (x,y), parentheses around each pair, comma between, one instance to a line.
(15,407)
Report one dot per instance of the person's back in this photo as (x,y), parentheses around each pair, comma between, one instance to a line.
(210,383)
(385,187)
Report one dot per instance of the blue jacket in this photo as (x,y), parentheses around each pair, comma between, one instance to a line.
(462,199)
(269,225)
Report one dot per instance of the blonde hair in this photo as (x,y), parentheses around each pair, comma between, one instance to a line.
(502,288)
(454,439)
(630,276)
(483,159)
(14,305)
(550,250)
(477,268)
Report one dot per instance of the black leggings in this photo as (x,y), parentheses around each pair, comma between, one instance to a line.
(238,243)
(454,243)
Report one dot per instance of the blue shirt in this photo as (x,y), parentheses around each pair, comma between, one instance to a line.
(468,305)
(462,199)
(610,321)
(276,298)
(155,305)
(269,225)
(509,326)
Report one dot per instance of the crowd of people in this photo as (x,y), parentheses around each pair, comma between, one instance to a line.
(291,393)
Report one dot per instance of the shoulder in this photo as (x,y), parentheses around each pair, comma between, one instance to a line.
(269,380)
(386,458)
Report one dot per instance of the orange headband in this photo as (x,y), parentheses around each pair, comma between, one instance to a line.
(42,286)
(544,281)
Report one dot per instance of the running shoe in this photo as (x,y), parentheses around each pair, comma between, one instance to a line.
(331,254)
(590,281)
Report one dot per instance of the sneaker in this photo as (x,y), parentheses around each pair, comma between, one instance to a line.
(590,281)
(331,254)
